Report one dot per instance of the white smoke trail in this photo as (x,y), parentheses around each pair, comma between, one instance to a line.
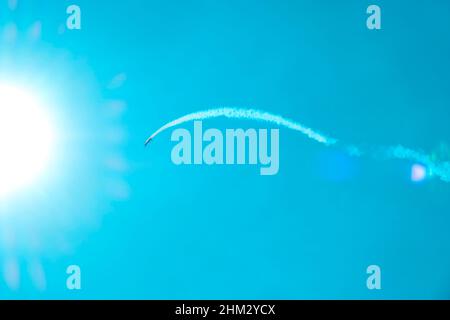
(249,114)
(440,169)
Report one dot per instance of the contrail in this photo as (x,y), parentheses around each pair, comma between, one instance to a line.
(437,168)
(249,114)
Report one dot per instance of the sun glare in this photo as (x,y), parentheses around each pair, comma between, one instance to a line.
(26,138)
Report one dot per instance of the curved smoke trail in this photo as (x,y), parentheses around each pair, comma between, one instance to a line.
(437,168)
(249,114)
(440,169)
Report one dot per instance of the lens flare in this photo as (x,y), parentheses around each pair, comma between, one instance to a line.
(26,138)
(418,173)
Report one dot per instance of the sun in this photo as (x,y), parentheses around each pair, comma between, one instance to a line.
(26,138)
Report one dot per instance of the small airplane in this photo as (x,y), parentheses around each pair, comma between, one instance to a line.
(148,141)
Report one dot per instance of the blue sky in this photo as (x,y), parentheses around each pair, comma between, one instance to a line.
(142,228)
